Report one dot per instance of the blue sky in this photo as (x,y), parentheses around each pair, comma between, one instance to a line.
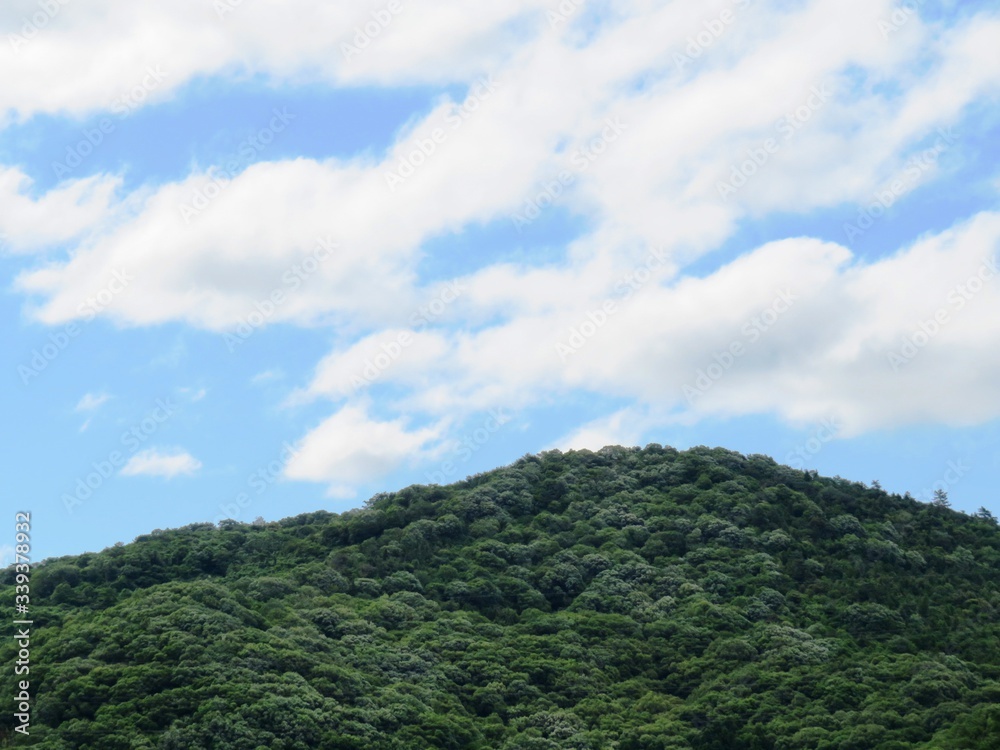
(260,261)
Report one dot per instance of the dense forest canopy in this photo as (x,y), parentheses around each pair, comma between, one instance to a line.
(634,599)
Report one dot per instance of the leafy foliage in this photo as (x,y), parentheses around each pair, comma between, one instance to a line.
(633,599)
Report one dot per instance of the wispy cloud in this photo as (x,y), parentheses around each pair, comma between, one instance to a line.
(267,376)
(157,462)
(92,402)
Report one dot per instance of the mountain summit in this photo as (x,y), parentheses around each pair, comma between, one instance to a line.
(638,599)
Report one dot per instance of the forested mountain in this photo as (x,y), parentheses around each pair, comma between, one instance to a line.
(633,599)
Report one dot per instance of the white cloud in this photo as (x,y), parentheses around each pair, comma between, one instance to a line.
(390,355)
(624,427)
(814,328)
(30,222)
(194,394)
(155,462)
(669,132)
(656,181)
(351,447)
(92,401)
(110,47)
(267,376)
(6,555)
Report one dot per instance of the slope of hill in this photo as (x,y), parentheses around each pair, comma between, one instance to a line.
(633,599)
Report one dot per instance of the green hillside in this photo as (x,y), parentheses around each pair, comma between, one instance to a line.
(633,599)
